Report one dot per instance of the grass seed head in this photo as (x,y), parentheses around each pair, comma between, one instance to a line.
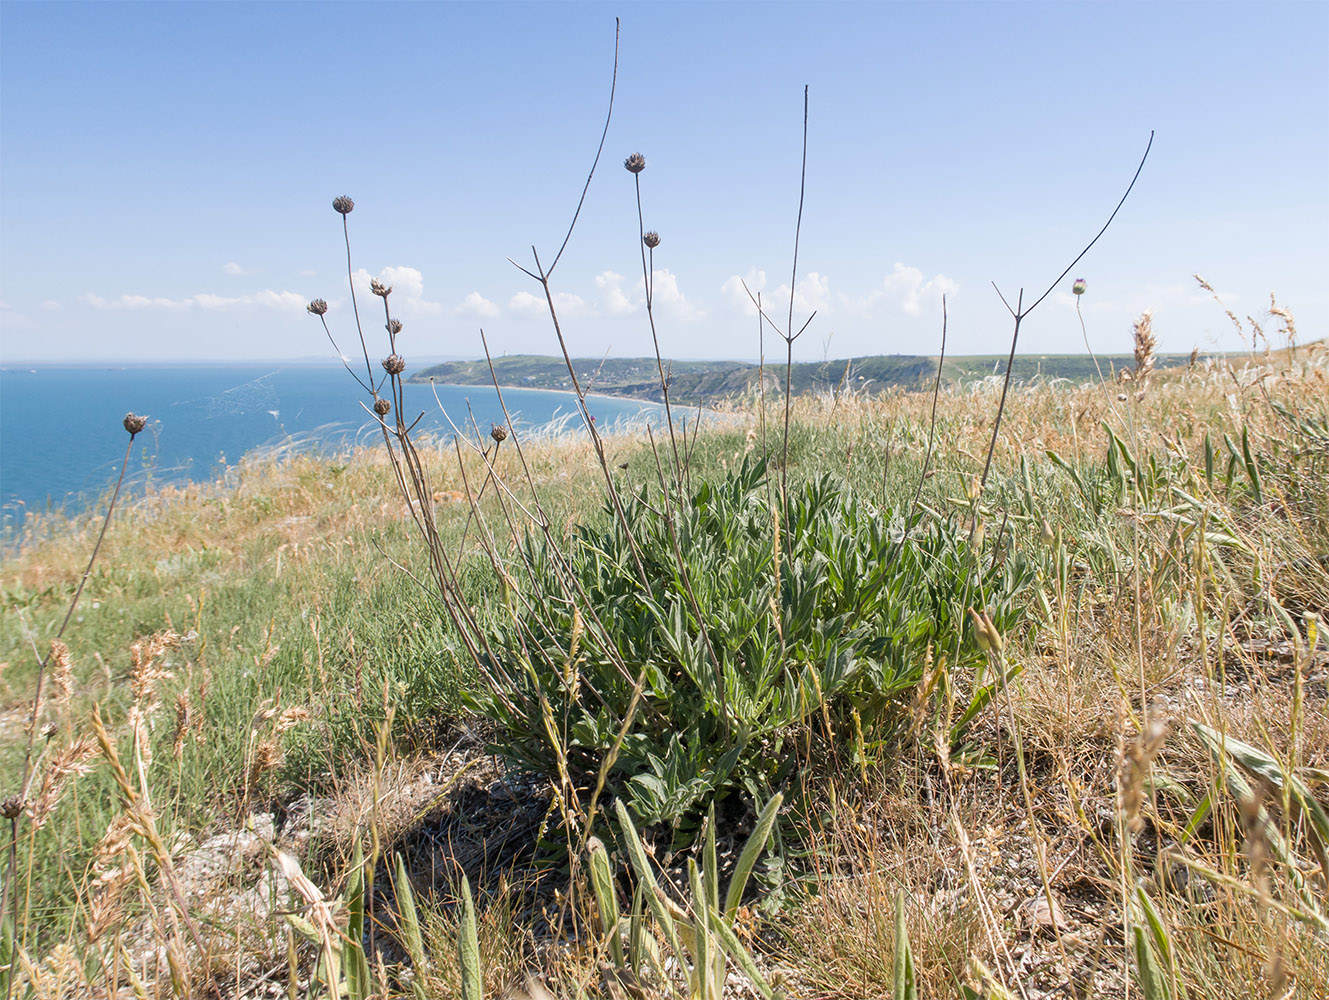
(1145,342)
(62,670)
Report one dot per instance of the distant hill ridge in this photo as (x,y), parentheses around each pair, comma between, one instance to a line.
(708,381)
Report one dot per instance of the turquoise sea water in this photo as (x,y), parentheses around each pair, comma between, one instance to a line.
(61,438)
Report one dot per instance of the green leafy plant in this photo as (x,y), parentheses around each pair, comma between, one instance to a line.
(701,937)
(674,687)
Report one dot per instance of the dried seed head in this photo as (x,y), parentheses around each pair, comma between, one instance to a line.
(343,204)
(290,718)
(498,432)
(379,289)
(635,163)
(134,423)
(651,239)
(318,307)
(62,676)
(72,761)
(394,326)
(394,364)
(1079,286)
(1145,342)
(184,720)
(382,407)
(12,807)
(267,756)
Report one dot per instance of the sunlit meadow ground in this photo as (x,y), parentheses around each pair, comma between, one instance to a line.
(292,685)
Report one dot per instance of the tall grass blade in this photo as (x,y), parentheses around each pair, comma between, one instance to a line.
(410,927)
(468,947)
(905,984)
(747,860)
(602,884)
(357,967)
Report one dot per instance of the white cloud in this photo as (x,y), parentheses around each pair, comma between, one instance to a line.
(667,297)
(906,290)
(267,299)
(613,298)
(812,295)
(236,270)
(50,304)
(307,272)
(734,295)
(408,289)
(525,302)
(532,305)
(476,304)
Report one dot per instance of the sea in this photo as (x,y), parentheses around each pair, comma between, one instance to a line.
(62,438)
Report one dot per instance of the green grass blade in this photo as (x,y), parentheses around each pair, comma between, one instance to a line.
(7,962)
(747,860)
(602,884)
(1153,984)
(640,864)
(410,926)
(468,947)
(703,983)
(357,967)
(734,948)
(905,985)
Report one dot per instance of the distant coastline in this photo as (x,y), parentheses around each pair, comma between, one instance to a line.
(710,382)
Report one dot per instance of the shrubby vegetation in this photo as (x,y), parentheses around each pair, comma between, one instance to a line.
(1047,718)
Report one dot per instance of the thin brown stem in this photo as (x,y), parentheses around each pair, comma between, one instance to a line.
(648,283)
(355,306)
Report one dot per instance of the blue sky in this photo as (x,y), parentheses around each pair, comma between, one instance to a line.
(166,173)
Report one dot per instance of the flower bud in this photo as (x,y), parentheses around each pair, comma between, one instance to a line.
(134,423)
(989,639)
(635,163)
(1079,286)
(1045,533)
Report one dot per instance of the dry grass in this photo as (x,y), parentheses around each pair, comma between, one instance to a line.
(298,696)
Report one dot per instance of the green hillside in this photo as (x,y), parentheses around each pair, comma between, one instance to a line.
(710,381)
